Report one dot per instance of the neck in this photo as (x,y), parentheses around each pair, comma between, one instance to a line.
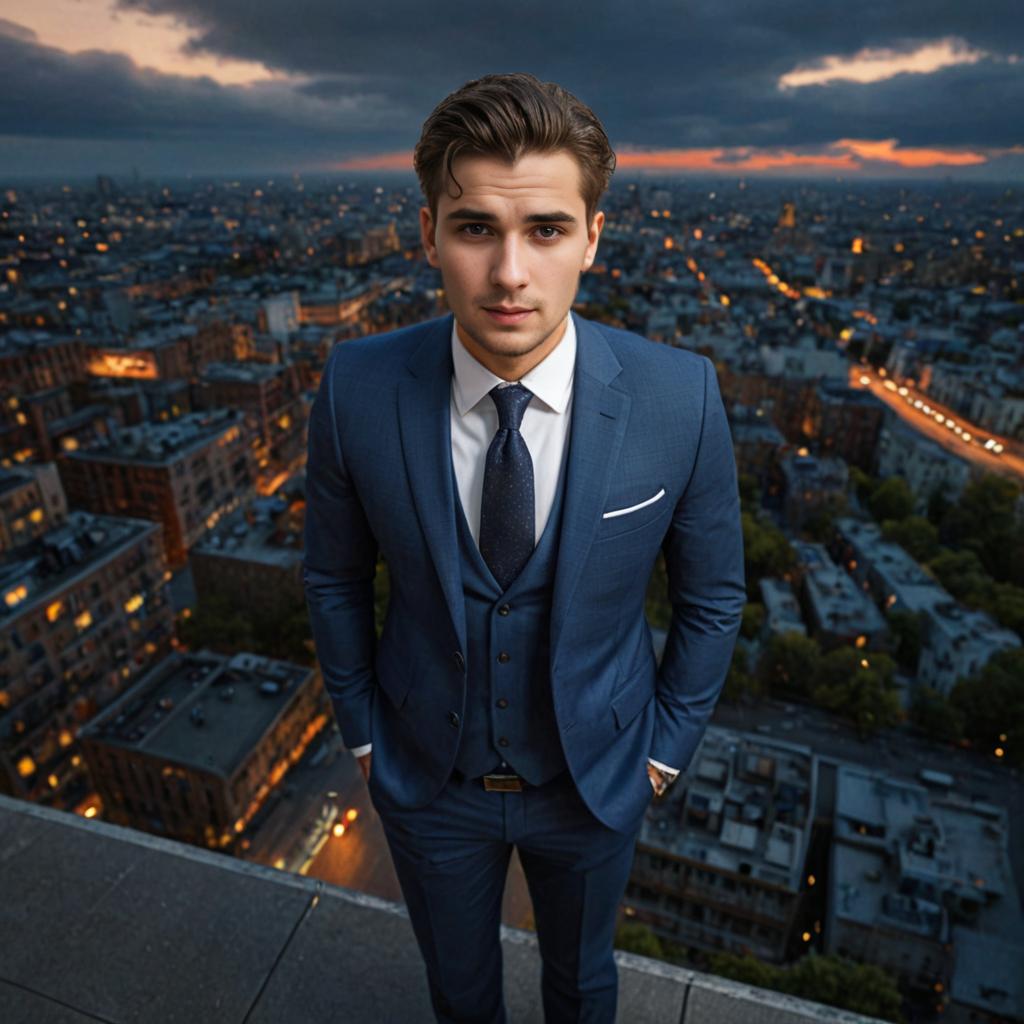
(512,368)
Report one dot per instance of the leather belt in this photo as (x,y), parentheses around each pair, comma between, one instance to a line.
(505,782)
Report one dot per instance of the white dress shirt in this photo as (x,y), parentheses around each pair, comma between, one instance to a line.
(545,427)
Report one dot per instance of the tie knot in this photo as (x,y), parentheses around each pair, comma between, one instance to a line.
(511,402)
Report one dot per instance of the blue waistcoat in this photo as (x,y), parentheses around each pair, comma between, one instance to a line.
(508,668)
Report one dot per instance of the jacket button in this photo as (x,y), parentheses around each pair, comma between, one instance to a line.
(503,742)
(453,719)
(503,657)
(504,610)
(502,703)
(460,660)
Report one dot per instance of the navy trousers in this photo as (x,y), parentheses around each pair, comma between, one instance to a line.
(452,857)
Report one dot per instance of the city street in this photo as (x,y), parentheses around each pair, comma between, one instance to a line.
(1005,463)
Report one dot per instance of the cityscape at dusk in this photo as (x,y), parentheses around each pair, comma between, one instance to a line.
(200,201)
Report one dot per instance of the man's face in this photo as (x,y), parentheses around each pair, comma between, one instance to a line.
(516,239)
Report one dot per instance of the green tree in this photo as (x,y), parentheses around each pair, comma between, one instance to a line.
(789,664)
(915,534)
(634,937)
(907,629)
(992,704)
(863,483)
(938,503)
(984,521)
(1005,602)
(753,620)
(750,491)
(934,713)
(960,572)
(892,499)
(740,683)
(818,525)
(766,551)
(832,980)
(858,685)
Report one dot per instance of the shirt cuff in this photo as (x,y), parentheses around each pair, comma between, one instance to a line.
(360,751)
(664,767)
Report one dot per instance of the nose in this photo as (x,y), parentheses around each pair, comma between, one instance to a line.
(509,271)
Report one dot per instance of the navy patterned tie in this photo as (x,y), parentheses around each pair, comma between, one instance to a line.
(506,511)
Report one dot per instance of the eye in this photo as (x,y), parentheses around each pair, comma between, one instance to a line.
(467,229)
(550,227)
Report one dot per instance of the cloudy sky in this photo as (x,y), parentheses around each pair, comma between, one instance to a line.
(811,87)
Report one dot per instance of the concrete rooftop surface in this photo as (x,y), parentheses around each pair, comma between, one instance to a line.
(103,923)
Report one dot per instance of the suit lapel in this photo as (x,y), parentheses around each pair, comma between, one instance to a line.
(424,416)
(599,417)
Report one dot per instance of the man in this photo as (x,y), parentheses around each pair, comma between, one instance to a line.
(518,467)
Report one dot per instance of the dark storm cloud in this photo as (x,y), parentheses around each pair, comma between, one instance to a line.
(660,74)
(97,94)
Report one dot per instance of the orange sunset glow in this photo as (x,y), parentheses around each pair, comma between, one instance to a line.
(846,155)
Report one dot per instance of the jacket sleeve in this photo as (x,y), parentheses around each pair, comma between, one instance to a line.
(706,588)
(338,569)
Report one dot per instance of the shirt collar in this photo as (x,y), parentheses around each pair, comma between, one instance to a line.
(550,380)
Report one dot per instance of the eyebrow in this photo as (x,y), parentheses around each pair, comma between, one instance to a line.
(555,217)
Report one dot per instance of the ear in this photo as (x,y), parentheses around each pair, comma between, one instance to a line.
(428,236)
(593,235)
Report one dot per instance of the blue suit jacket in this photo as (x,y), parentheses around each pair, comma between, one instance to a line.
(647,421)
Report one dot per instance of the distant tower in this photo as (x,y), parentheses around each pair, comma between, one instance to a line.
(787,219)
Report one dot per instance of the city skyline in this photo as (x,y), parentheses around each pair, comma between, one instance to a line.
(174,87)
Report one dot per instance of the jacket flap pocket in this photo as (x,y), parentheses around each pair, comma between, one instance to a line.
(393,681)
(631,701)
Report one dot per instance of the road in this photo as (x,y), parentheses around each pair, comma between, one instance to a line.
(1005,463)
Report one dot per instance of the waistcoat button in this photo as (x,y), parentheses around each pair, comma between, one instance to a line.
(503,657)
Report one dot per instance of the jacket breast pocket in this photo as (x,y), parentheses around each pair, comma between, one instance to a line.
(633,509)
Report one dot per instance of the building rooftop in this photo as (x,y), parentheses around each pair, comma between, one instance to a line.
(971,630)
(781,606)
(901,575)
(904,851)
(743,806)
(161,443)
(49,564)
(205,710)
(839,604)
(253,533)
(820,472)
(247,372)
(117,925)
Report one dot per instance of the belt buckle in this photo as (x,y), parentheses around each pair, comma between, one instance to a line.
(503,783)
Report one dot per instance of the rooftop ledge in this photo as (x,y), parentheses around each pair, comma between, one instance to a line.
(103,923)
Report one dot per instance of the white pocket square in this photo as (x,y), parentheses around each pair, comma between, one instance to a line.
(633,508)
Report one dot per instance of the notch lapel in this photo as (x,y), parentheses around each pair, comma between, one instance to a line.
(599,417)
(424,417)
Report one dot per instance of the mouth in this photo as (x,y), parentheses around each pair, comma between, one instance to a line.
(508,314)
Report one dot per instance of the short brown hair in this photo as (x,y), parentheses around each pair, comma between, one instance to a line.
(507,116)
